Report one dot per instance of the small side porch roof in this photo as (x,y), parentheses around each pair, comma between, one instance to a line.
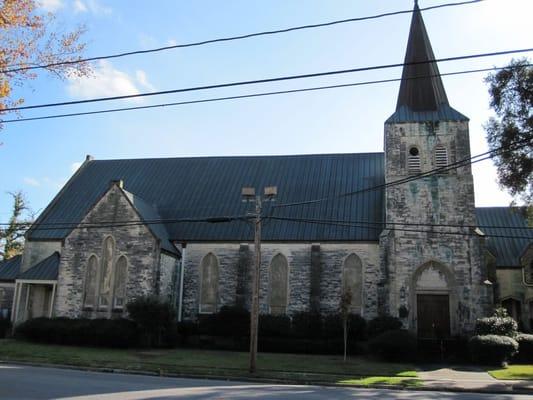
(45,270)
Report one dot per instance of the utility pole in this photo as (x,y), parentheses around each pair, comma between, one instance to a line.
(248,195)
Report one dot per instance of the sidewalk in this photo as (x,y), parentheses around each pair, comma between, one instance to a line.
(470,379)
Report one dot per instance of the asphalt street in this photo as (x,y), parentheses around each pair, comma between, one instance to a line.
(24,382)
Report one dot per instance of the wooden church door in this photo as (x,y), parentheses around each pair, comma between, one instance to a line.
(433,315)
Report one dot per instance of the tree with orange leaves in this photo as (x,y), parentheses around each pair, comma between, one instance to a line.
(28,38)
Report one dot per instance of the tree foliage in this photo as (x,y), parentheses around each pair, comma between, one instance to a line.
(511,98)
(12,236)
(29,37)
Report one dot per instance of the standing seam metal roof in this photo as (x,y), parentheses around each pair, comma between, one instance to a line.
(9,269)
(211,186)
(45,270)
(506,250)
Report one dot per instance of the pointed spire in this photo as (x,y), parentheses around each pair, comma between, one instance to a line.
(422,94)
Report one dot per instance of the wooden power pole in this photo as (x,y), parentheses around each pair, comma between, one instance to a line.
(248,195)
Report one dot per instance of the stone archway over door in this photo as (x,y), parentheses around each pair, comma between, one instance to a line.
(432,302)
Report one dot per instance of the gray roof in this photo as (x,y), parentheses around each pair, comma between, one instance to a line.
(10,268)
(149,213)
(506,250)
(422,96)
(45,270)
(211,187)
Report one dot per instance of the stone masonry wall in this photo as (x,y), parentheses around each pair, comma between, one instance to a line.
(299,260)
(37,250)
(167,277)
(135,242)
(445,198)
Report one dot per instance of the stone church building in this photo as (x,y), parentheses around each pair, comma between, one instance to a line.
(405,244)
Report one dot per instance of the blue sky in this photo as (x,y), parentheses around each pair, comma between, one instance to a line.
(38,157)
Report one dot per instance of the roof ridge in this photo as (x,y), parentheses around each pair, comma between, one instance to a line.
(240,156)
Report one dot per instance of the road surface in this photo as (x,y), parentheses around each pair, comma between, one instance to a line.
(28,383)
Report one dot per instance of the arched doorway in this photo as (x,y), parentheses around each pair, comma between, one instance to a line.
(432,301)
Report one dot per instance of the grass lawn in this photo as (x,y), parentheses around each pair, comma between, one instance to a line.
(294,367)
(514,372)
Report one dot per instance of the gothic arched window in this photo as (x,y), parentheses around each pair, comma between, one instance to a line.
(119,286)
(91,276)
(279,285)
(413,160)
(352,281)
(209,284)
(106,273)
(441,156)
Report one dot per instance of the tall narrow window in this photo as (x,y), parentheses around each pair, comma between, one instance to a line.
(441,156)
(209,284)
(413,160)
(89,299)
(352,281)
(106,273)
(119,290)
(279,279)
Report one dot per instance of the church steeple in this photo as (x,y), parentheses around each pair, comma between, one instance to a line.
(421,89)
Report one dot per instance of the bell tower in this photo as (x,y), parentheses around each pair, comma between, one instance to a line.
(433,273)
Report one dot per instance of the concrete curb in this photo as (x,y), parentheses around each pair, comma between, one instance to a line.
(510,389)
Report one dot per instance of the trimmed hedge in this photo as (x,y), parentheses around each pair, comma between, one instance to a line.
(394,345)
(156,321)
(384,323)
(525,348)
(120,333)
(492,349)
(499,324)
(274,325)
(5,326)
(229,321)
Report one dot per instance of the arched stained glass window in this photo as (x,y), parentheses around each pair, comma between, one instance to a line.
(106,273)
(209,284)
(352,280)
(119,290)
(89,299)
(279,285)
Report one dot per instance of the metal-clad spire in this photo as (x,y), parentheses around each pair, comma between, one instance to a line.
(422,94)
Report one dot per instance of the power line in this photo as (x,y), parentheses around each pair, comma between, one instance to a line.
(252,95)
(466,161)
(231,38)
(267,80)
(348,224)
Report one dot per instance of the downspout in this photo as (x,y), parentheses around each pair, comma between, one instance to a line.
(180,304)
(524,278)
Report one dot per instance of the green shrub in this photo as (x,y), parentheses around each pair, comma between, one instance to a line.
(492,349)
(229,321)
(381,324)
(156,320)
(525,348)
(274,325)
(306,325)
(356,327)
(80,332)
(397,345)
(499,324)
(332,327)
(5,327)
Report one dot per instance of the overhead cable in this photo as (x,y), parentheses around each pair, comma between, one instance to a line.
(227,39)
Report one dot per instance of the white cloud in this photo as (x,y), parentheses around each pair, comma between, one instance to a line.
(80,7)
(92,6)
(74,166)
(105,81)
(32,182)
(171,42)
(143,80)
(51,5)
